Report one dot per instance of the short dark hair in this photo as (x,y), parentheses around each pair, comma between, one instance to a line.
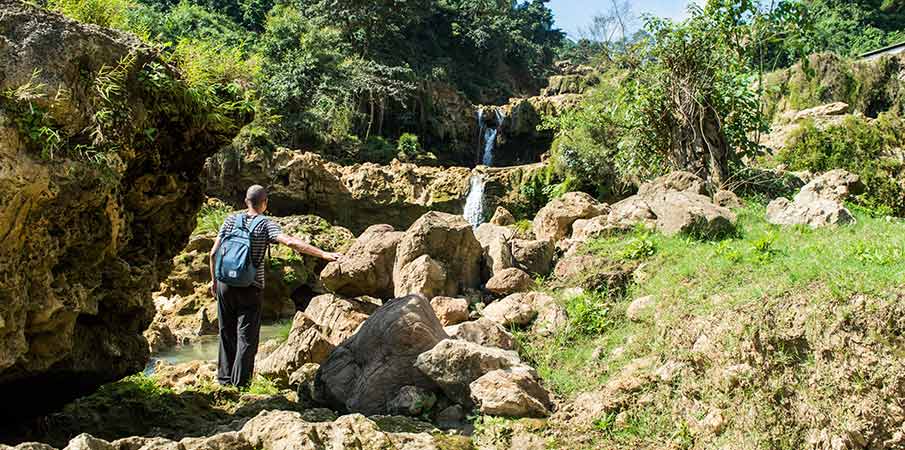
(255,196)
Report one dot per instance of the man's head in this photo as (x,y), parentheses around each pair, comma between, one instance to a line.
(256,198)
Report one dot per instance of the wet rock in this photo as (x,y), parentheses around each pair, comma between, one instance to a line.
(510,393)
(502,217)
(450,243)
(533,256)
(554,221)
(494,241)
(367,267)
(450,310)
(369,369)
(483,332)
(305,344)
(509,281)
(453,364)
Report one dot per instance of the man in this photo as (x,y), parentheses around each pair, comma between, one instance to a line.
(239,308)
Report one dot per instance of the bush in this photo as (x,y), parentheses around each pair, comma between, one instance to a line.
(860,146)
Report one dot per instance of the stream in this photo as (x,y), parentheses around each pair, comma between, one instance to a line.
(204,348)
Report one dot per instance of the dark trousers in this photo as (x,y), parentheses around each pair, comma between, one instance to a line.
(239,313)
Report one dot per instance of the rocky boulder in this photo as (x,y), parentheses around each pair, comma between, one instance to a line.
(495,241)
(367,371)
(339,318)
(510,393)
(454,364)
(502,217)
(88,233)
(367,267)
(305,344)
(819,203)
(520,310)
(509,281)
(554,221)
(533,256)
(450,310)
(691,214)
(453,257)
(485,332)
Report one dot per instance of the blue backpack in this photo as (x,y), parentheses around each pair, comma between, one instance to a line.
(233,264)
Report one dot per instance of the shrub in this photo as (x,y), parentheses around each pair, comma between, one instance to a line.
(408,146)
(860,146)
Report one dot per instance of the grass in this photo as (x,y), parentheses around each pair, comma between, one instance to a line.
(774,287)
(262,386)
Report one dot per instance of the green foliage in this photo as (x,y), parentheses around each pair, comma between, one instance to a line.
(378,150)
(589,314)
(106,13)
(211,217)
(409,149)
(860,146)
(261,385)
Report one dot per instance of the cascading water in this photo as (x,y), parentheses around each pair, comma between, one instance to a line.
(474,202)
(489,135)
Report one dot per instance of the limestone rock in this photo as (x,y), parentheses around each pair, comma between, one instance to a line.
(285,430)
(515,310)
(303,375)
(678,181)
(449,240)
(591,272)
(305,344)
(830,109)
(88,442)
(230,440)
(450,310)
(146,443)
(509,281)
(510,393)
(494,241)
(533,256)
(630,212)
(367,267)
(180,377)
(691,214)
(502,217)
(424,276)
(554,221)
(338,318)
(369,369)
(551,316)
(84,242)
(454,364)
(584,229)
(483,332)
(819,203)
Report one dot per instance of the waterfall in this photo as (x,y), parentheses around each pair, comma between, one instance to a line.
(474,202)
(489,135)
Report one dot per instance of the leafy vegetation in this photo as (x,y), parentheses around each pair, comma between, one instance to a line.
(210,217)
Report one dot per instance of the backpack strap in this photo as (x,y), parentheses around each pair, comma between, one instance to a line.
(239,222)
(255,222)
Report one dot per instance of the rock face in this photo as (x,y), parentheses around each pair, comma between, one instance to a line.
(554,221)
(819,203)
(367,268)
(367,371)
(495,241)
(339,318)
(438,255)
(85,241)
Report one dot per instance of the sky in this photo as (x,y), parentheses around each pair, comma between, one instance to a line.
(574,15)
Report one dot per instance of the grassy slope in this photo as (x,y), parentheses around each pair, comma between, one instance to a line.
(815,314)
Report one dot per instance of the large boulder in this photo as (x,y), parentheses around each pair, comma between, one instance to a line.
(515,310)
(509,281)
(305,344)
(367,267)
(368,370)
(89,224)
(554,221)
(339,318)
(449,241)
(533,256)
(454,364)
(495,241)
(819,203)
(502,217)
(682,212)
(510,393)
(450,310)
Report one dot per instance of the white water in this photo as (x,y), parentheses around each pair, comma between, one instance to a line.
(489,134)
(474,202)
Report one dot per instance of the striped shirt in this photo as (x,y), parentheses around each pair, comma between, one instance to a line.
(262,236)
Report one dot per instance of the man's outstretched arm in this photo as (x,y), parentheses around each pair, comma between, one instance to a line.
(305,248)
